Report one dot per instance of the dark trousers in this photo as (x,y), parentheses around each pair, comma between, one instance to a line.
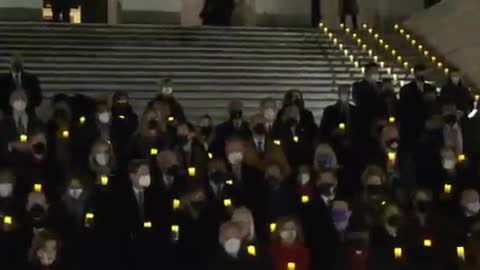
(60,9)
(316,15)
(343,19)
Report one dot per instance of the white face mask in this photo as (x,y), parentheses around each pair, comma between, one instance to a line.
(104,117)
(473,208)
(235,158)
(269,114)
(448,164)
(144,181)
(102,159)
(455,80)
(19,105)
(166,90)
(288,235)
(304,178)
(232,246)
(45,259)
(75,192)
(6,189)
(341,226)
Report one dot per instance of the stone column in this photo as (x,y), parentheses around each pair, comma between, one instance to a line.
(21,10)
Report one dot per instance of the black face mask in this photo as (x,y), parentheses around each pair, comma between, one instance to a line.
(218,177)
(152,124)
(260,129)
(423,206)
(60,115)
(297,102)
(272,180)
(394,221)
(173,170)
(291,122)
(182,140)
(39,148)
(236,114)
(325,189)
(420,78)
(206,131)
(374,190)
(450,119)
(37,215)
(198,205)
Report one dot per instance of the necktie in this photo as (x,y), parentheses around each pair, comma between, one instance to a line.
(259,146)
(18,82)
(141,199)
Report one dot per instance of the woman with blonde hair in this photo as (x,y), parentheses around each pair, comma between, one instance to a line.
(102,158)
(324,158)
(150,135)
(44,252)
(287,247)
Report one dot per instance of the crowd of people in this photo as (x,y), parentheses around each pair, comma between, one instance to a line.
(389,182)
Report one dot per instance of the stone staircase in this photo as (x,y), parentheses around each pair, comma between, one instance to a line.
(409,48)
(209,66)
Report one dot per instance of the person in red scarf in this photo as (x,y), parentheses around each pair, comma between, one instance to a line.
(287,248)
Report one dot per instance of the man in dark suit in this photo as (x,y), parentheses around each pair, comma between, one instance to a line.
(454,91)
(18,78)
(342,112)
(191,154)
(416,100)
(366,95)
(235,126)
(320,233)
(138,204)
(16,148)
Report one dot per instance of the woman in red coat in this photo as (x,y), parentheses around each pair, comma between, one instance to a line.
(287,248)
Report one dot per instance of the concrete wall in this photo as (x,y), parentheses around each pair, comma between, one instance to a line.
(21,10)
(451,28)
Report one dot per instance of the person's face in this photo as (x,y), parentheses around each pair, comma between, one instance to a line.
(48,253)
(230,232)
(166,160)
(327,178)
(234,147)
(205,122)
(455,77)
(122,100)
(288,233)
(167,89)
(101,154)
(422,202)
(470,196)
(374,186)
(344,95)
(184,132)
(139,176)
(103,114)
(270,105)
(258,126)
(420,75)
(372,74)
(6,186)
(244,222)
(18,102)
